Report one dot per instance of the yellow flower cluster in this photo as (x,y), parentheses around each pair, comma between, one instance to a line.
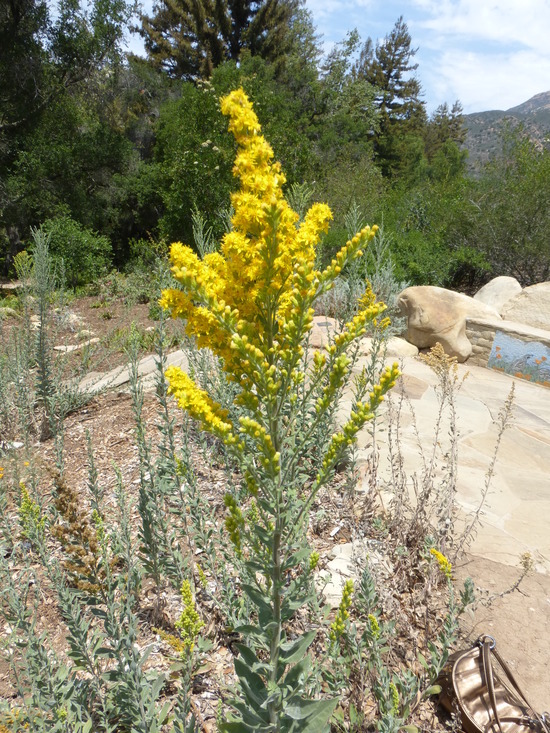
(199,405)
(227,291)
(444,564)
(252,302)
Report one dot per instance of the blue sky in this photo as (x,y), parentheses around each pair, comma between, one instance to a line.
(486,53)
(489,54)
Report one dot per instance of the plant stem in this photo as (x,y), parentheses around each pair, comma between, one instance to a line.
(275,705)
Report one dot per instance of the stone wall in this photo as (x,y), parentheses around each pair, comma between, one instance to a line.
(510,347)
(481,335)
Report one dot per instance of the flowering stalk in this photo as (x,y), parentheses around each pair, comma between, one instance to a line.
(252,303)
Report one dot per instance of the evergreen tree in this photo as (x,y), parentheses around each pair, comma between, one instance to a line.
(189,38)
(445,125)
(387,67)
(444,136)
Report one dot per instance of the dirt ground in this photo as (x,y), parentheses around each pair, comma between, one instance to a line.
(519,621)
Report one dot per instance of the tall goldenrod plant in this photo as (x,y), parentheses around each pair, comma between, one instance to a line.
(252,303)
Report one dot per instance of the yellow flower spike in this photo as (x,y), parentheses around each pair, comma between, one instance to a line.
(199,404)
(444,564)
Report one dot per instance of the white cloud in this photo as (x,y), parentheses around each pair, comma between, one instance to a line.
(483,82)
(507,21)
(490,55)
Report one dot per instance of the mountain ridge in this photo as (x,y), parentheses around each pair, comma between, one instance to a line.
(483,129)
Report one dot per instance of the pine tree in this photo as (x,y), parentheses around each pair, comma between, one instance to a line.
(402,117)
(189,38)
(445,125)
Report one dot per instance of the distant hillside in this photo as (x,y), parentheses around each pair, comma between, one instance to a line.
(484,128)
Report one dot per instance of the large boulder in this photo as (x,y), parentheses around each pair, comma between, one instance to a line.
(531,306)
(435,315)
(498,292)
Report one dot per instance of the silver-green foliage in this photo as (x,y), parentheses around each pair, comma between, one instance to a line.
(36,393)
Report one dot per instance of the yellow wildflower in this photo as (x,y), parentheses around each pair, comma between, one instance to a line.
(200,405)
(444,564)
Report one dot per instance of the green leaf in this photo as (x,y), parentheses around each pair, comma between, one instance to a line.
(254,718)
(422,659)
(241,727)
(293,676)
(250,630)
(161,718)
(250,658)
(355,717)
(261,601)
(252,684)
(296,558)
(293,651)
(315,712)
(410,728)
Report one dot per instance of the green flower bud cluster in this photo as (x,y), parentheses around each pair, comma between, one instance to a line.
(313,560)
(189,623)
(336,379)
(234,521)
(29,515)
(339,624)
(374,626)
(395,703)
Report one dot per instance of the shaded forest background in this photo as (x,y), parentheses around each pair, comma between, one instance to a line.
(113,154)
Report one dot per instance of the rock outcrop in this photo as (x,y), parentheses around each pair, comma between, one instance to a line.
(498,291)
(531,306)
(435,315)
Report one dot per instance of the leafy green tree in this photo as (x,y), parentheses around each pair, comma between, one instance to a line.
(510,211)
(343,128)
(445,124)
(46,67)
(189,38)
(444,136)
(81,254)
(193,161)
(194,155)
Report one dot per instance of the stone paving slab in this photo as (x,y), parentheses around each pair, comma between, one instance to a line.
(517,510)
(97,382)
